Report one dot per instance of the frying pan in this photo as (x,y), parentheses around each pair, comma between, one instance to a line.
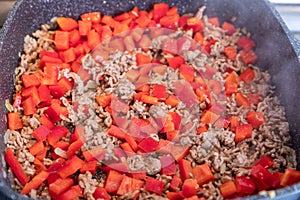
(278,50)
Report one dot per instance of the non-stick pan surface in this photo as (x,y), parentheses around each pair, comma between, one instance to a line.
(276,47)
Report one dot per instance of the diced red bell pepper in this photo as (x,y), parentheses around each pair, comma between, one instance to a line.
(169,21)
(172,100)
(256,119)
(149,99)
(189,187)
(96,153)
(113,181)
(131,141)
(17,101)
(57,133)
(84,27)
(70,167)
(214,20)
(203,174)
(41,133)
(254,98)
(231,88)
(29,106)
(94,17)
(90,166)
(175,195)
(106,33)
(142,59)
(116,132)
(66,23)
(61,40)
(263,178)
(230,52)
(195,23)
(244,185)
(290,177)
(246,43)
(74,147)
(44,93)
(228,28)
(32,92)
(248,57)
(103,101)
(129,185)
(73,193)
(175,183)
(148,144)
(265,161)
(159,10)
(187,72)
(37,148)
(209,117)
(159,91)
(234,122)
(44,120)
(93,39)
(74,40)
(241,100)
(154,185)
(59,186)
(16,167)
(50,75)
(168,166)
(228,188)
(35,182)
(101,193)
(185,169)
(178,151)
(242,132)
(14,121)
(175,62)
(68,55)
(247,75)
(30,80)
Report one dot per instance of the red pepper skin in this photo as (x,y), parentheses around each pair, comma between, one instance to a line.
(14,121)
(228,188)
(265,161)
(290,177)
(262,176)
(129,185)
(159,91)
(246,43)
(203,174)
(242,132)
(15,166)
(185,168)
(154,185)
(35,182)
(113,181)
(148,144)
(245,185)
(189,187)
(70,167)
(59,186)
(101,193)
(73,193)
(175,183)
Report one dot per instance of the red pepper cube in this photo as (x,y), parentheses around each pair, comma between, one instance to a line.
(246,43)
(35,182)
(66,23)
(14,121)
(290,177)
(96,153)
(70,167)
(231,88)
(31,92)
(89,166)
(159,91)
(230,52)
(265,161)
(195,23)
(262,177)
(248,57)
(178,151)
(154,185)
(73,193)
(244,185)
(129,185)
(113,181)
(169,21)
(203,174)
(41,133)
(168,166)
(61,40)
(148,144)
(175,183)
(37,148)
(159,10)
(247,75)
(59,186)
(228,188)
(30,80)
(175,62)
(29,106)
(189,187)
(228,28)
(68,55)
(50,75)
(242,132)
(94,17)
(185,169)
(74,147)
(241,100)
(44,93)
(56,134)
(256,119)
(187,72)
(84,27)
(101,193)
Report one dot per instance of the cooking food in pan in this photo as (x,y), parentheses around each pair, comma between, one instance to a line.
(145,104)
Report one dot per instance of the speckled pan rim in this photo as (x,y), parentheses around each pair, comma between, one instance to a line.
(284,193)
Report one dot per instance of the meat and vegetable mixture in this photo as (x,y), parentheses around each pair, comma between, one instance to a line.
(145,105)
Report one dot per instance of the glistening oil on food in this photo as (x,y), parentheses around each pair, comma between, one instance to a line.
(145,105)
